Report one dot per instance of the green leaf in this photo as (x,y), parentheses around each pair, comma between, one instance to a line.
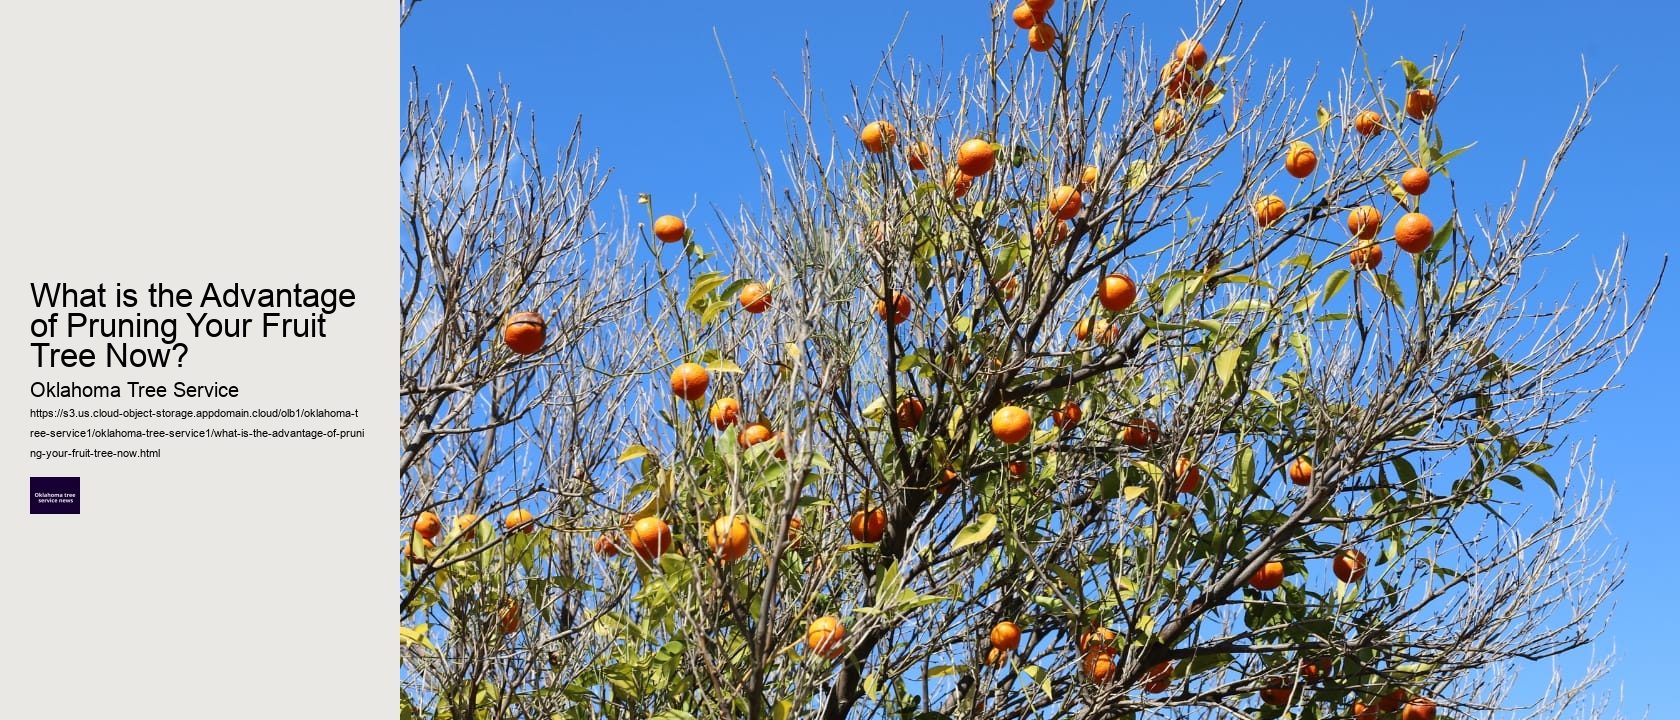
(714,309)
(1403,468)
(1041,677)
(1411,70)
(723,366)
(1178,292)
(1303,260)
(1242,474)
(704,285)
(1540,471)
(941,670)
(887,586)
(1413,669)
(976,531)
(1137,174)
(1389,288)
(632,452)
(1246,305)
(1303,347)
(1442,237)
(876,409)
(1225,365)
(1334,283)
(1440,164)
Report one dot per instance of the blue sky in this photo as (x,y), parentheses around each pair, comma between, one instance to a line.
(648,81)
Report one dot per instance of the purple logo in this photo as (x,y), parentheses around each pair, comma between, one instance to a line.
(55,496)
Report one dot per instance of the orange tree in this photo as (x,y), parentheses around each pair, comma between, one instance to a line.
(1100,378)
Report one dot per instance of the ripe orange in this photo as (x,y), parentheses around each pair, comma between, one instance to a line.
(1414,232)
(793,533)
(1100,666)
(1088,178)
(426,548)
(1011,424)
(669,228)
(1269,577)
(1275,693)
(1420,104)
(1418,708)
(878,136)
(1116,292)
(606,545)
(1176,77)
(1361,711)
(689,381)
(1300,471)
(1268,209)
(950,483)
(754,434)
(975,157)
(508,621)
(1368,123)
(1415,181)
(1364,222)
(1019,468)
(1392,700)
(901,308)
(1104,332)
(464,523)
(1349,566)
(957,182)
(909,412)
(1065,202)
(1006,636)
(1025,17)
(729,537)
(1300,160)
(1159,677)
(1189,476)
(755,298)
(520,519)
(1068,416)
(919,154)
(724,412)
(1041,37)
(1052,231)
(523,332)
(650,537)
(1140,433)
(1309,671)
(1098,641)
(1041,6)
(1169,122)
(1368,255)
(1192,53)
(824,636)
(868,525)
(428,525)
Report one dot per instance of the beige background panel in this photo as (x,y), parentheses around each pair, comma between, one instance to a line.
(189,142)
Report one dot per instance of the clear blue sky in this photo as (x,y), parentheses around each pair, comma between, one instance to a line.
(648,81)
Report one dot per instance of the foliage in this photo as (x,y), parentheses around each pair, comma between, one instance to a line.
(1430,395)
